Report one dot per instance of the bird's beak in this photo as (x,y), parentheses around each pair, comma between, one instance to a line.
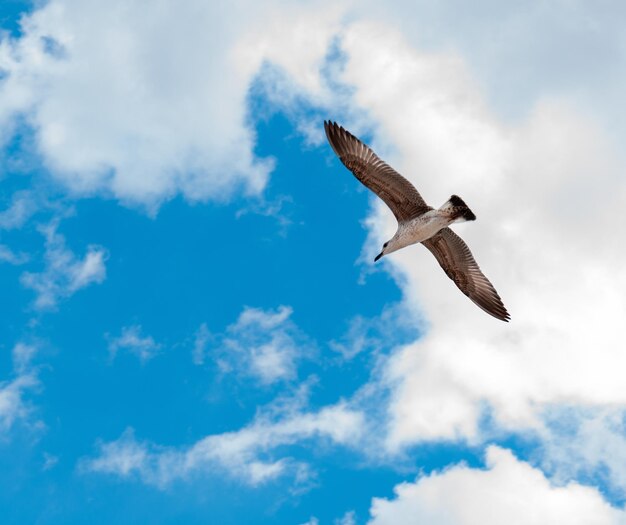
(378,256)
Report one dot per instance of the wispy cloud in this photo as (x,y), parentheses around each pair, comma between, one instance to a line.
(64,273)
(22,356)
(13,406)
(23,206)
(394,326)
(131,340)
(586,443)
(349,518)
(275,209)
(264,344)
(49,461)
(202,338)
(249,454)
(9,256)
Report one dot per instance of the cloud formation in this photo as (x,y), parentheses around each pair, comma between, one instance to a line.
(201,341)
(23,206)
(131,340)
(64,274)
(248,454)
(120,110)
(265,345)
(508,491)
(9,256)
(13,406)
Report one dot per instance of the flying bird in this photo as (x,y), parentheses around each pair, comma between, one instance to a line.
(418,222)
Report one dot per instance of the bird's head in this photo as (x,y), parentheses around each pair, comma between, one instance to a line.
(382,252)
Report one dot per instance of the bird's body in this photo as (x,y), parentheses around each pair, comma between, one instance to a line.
(421,228)
(418,222)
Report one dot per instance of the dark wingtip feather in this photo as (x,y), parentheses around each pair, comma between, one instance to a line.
(468,215)
(501,312)
(331,130)
(455,200)
(462,209)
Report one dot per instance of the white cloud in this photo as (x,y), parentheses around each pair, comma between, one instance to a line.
(13,406)
(201,340)
(264,344)
(508,491)
(349,518)
(9,256)
(23,206)
(517,49)
(374,334)
(120,457)
(23,354)
(117,108)
(49,461)
(356,340)
(246,454)
(241,451)
(144,347)
(588,444)
(63,274)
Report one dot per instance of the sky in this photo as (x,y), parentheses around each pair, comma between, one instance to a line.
(193,327)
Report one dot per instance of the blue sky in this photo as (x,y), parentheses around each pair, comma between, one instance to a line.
(193,327)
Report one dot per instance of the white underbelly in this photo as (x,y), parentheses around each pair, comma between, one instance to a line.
(423,227)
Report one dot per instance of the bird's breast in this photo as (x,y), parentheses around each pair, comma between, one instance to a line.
(423,227)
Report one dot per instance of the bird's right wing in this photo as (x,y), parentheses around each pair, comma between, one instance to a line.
(398,193)
(458,262)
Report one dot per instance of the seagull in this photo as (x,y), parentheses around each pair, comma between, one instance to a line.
(418,222)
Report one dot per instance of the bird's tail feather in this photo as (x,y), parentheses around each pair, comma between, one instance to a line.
(457,209)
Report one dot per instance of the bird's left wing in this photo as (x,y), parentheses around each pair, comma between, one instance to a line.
(398,193)
(458,262)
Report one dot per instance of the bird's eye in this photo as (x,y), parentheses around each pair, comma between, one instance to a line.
(385,245)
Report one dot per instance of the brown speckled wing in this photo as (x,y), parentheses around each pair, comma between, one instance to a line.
(398,193)
(458,262)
